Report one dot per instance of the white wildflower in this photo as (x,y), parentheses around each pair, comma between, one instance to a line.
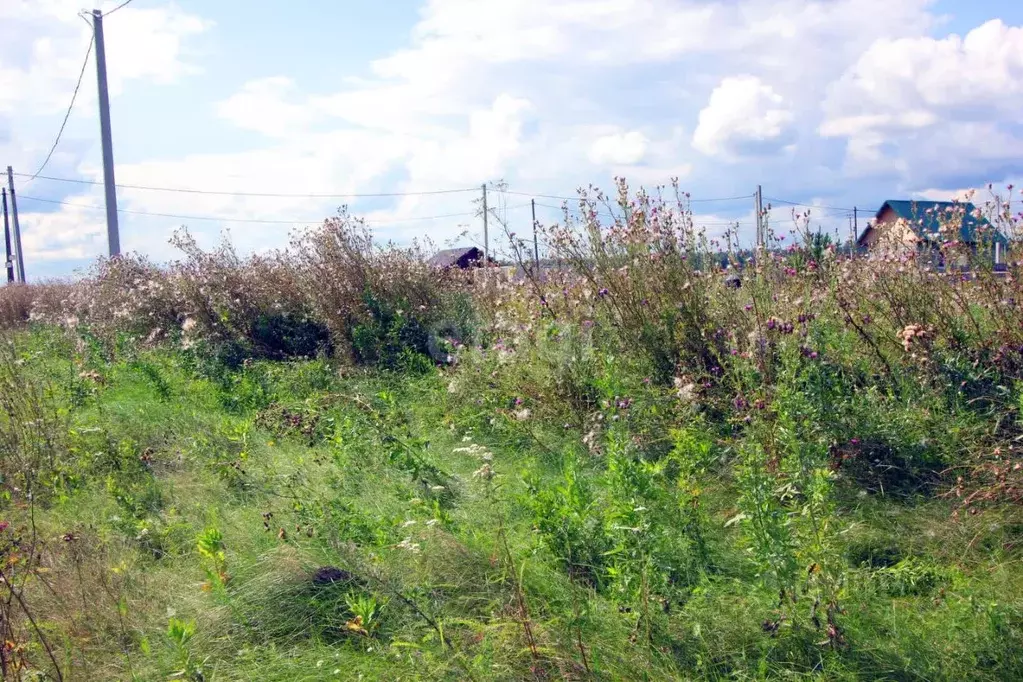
(686,391)
(408,546)
(485,472)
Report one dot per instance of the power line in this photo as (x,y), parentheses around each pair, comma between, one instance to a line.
(610,215)
(744,197)
(836,214)
(67,115)
(275,195)
(796,203)
(237,220)
(123,4)
(495,209)
(607,214)
(577,198)
(542,196)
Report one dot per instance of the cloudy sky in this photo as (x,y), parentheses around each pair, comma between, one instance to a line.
(832,103)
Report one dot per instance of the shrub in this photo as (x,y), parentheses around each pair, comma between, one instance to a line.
(376,302)
(34,457)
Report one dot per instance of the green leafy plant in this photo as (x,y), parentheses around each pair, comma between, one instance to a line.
(365,614)
(210,545)
(180,634)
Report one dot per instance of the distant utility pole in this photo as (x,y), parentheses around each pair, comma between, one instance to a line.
(486,236)
(7,239)
(113,237)
(758,201)
(856,230)
(536,246)
(17,227)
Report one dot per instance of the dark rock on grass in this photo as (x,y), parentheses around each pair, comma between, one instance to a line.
(328,575)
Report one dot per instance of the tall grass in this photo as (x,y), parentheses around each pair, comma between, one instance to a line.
(334,457)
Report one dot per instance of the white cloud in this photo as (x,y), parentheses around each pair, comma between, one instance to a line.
(260,105)
(150,44)
(141,44)
(548,95)
(913,96)
(42,46)
(71,232)
(973,76)
(625,149)
(744,116)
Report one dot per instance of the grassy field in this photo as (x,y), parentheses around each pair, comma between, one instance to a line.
(195,512)
(632,473)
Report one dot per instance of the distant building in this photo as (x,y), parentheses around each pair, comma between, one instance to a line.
(901,227)
(462,258)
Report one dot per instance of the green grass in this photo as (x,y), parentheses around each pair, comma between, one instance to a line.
(299,466)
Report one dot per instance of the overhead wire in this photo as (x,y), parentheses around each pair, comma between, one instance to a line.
(610,215)
(237,220)
(121,6)
(67,114)
(275,195)
(599,211)
(796,203)
(578,198)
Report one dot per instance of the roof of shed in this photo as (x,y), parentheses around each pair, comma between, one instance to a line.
(450,257)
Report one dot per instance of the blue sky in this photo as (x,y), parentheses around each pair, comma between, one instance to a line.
(832,103)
